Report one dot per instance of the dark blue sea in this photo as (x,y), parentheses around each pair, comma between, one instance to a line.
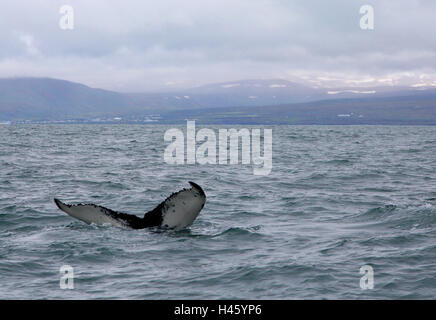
(337,198)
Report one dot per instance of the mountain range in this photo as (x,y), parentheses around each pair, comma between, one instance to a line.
(245,101)
(260,93)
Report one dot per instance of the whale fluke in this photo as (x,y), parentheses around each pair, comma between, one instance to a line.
(178,211)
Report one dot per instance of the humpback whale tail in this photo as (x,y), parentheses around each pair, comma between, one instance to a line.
(178,211)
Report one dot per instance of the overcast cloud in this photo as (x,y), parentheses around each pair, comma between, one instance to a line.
(138,45)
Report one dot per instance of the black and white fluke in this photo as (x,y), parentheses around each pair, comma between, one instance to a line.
(178,211)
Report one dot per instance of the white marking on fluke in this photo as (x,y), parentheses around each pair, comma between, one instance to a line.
(178,211)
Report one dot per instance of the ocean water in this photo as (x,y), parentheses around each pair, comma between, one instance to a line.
(337,198)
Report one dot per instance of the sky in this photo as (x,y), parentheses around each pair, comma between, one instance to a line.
(144,45)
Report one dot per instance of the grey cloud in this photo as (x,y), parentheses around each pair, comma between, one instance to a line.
(139,45)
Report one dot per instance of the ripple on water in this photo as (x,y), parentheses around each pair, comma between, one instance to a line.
(337,198)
